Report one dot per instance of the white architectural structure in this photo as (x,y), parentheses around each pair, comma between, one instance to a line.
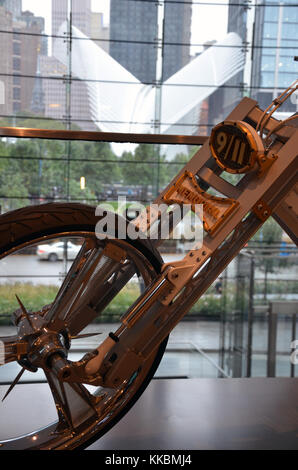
(121,103)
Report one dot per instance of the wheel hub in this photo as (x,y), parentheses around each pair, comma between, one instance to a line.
(44,346)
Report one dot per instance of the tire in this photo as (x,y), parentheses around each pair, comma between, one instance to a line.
(20,227)
(52,257)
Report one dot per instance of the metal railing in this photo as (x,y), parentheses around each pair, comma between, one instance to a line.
(116,137)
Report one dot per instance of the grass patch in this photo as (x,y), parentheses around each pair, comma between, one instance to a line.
(123,300)
(33,297)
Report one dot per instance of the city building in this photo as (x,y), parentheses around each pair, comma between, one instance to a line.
(13,6)
(38,101)
(6,62)
(77,110)
(270,41)
(121,103)
(100,33)
(223,100)
(273,65)
(53,89)
(54,94)
(81,15)
(18,67)
(134,31)
(133,35)
(26,37)
(177,32)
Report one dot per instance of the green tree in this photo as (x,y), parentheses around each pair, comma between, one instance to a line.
(52,168)
(76,193)
(14,193)
(176,164)
(144,167)
(97,163)
(270,235)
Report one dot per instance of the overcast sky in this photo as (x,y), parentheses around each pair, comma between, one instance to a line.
(209,22)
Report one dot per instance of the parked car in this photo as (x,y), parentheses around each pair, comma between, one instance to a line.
(55,251)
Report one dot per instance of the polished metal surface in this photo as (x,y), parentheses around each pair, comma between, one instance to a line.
(22,132)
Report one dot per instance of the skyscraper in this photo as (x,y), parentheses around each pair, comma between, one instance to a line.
(177,30)
(100,31)
(224,100)
(133,36)
(6,62)
(20,42)
(13,6)
(55,90)
(276,41)
(81,15)
(270,35)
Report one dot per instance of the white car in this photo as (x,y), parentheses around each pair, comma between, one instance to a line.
(55,251)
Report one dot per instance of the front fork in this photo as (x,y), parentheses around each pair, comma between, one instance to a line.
(122,353)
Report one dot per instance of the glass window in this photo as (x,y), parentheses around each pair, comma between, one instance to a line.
(285,79)
(271,14)
(16,93)
(268,63)
(289,31)
(16,48)
(16,64)
(270,30)
(268,79)
(290,14)
(269,46)
(16,80)
(16,106)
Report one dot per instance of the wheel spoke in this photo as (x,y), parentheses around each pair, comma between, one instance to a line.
(91,269)
(93,282)
(98,298)
(25,313)
(66,290)
(73,402)
(14,383)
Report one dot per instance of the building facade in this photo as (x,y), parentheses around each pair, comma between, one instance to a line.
(100,33)
(54,88)
(177,37)
(223,101)
(18,67)
(276,45)
(6,63)
(81,15)
(134,32)
(270,53)
(13,6)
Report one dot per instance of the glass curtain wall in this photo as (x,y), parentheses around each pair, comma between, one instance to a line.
(141,66)
(129,66)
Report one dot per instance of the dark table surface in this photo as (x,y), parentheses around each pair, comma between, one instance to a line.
(180,414)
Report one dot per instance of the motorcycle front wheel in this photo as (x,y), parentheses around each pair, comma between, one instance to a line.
(83,415)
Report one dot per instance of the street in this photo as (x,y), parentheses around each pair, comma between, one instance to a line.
(29,268)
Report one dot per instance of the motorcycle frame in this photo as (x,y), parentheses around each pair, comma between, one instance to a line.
(257,196)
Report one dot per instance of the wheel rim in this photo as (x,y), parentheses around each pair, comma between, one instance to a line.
(96,411)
